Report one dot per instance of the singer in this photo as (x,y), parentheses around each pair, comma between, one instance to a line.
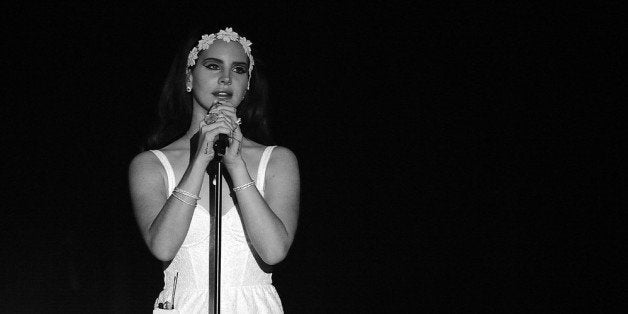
(212,94)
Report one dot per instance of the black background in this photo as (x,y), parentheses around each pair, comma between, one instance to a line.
(453,158)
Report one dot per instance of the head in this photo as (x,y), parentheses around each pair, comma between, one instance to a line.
(218,68)
(210,67)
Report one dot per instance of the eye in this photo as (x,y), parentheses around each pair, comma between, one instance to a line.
(212,66)
(240,69)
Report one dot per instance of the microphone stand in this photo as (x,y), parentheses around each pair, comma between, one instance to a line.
(215,229)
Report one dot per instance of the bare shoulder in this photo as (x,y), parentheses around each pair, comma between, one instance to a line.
(282,154)
(283,160)
(144,161)
(145,170)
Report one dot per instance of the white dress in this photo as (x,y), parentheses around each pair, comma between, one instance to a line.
(245,287)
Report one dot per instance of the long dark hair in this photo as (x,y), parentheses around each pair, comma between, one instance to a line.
(174,108)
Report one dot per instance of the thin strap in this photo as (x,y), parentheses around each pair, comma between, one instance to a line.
(169,172)
(261,169)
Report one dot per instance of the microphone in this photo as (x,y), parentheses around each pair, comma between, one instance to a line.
(221,144)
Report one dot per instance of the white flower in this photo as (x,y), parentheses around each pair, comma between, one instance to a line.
(246,44)
(226,35)
(192,56)
(205,41)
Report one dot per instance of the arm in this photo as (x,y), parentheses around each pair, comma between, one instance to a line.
(270,222)
(163,221)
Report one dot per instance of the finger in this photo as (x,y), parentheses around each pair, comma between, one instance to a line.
(226,110)
(222,110)
(223,105)
(211,135)
(227,104)
(212,118)
(232,125)
(230,114)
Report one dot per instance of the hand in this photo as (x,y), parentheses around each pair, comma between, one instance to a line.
(232,152)
(221,119)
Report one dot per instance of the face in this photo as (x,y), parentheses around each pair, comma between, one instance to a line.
(220,73)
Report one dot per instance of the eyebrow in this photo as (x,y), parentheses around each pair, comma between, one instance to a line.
(221,62)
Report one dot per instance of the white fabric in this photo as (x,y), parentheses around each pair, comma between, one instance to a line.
(261,169)
(245,287)
(168,167)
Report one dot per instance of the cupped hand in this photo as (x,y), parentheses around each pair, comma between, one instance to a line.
(221,119)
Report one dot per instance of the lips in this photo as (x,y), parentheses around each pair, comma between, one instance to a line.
(222,94)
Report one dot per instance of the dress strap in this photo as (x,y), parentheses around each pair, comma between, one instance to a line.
(261,169)
(169,172)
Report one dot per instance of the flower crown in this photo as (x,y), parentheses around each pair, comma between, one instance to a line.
(226,35)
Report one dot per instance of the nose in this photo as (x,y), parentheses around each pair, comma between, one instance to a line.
(225,78)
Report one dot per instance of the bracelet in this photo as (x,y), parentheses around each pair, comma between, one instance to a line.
(182,200)
(186,193)
(180,195)
(243,186)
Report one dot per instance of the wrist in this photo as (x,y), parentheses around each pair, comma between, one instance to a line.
(197,167)
(235,165)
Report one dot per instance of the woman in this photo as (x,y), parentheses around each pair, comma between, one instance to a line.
(212,89)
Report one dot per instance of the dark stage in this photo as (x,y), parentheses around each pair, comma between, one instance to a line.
(453,158)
